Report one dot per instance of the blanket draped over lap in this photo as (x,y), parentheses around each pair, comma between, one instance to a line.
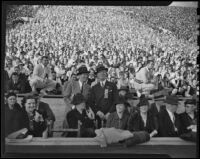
(107,136)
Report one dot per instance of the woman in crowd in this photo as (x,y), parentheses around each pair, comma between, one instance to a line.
(80,114)
(119,118)
(13,114)
(143,120)
(32,118)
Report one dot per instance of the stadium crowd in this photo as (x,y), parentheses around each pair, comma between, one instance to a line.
(65,39)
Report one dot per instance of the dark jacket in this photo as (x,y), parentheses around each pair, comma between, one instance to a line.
(46,111)
(19,86)
(116,122)
(97,101)
(154,110)
(166,126)
(186,121)
(34,128)
(13,119)
(87,127)
(136,123)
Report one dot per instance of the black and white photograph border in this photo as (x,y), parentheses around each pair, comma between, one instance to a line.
(145,51)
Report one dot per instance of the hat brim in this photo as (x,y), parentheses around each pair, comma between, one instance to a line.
(104,69)
(82,73)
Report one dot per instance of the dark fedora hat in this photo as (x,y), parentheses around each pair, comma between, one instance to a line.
(123,88)
(78,99)
(120,100)
(143,101)
(82,70)
(101,68)
(173,100)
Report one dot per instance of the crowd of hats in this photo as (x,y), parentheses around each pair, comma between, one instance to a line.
(96,35)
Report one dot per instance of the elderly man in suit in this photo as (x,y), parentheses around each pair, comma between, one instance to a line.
(169,122)
(41,77)
(143,82)
(103,96)
(74,87)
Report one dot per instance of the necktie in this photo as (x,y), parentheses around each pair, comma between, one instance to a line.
(82,88)
(102,84)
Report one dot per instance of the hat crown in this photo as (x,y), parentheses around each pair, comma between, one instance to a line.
(143,101)
(82,69)
(101,68)
(171,100)
(77,99)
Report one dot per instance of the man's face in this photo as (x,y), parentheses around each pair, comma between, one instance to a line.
(15,78)
(45,61)
(16,69)
(172,107)
(144,108)
(189,108)
(120,108)
(83,77)
(102,75)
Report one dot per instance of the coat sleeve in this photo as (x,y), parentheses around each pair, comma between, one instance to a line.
(132,124)
(91,101)
(50,114)
(161,128)
(108,122)
(72,121)
(115,98)
(67,94)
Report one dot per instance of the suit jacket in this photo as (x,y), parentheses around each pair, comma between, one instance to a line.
(116,122)
(46,111)
(154,110)
(17,86)
(39,72)
(144,75)
(186,121)
(166,126)
(136,123)
(97,100)
(87,127)
(73,88)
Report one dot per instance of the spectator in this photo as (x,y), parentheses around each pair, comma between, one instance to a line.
(13,114)
(143,120)
(15,85)
(169,122)
(41,75)
(102,107)
(32,118)
(188,119)
(119,118)
(80,114)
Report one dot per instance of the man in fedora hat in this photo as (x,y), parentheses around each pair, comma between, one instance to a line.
(74,87)
(103,95)
(143,80)
(169,123)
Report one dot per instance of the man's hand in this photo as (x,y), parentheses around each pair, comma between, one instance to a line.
(90,113)
(153,133)
(192,127)
(107,115)
(100,114)
(38,117)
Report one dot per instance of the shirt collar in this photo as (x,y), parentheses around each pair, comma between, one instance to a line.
(104,82)
(170,114)
(80,83)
